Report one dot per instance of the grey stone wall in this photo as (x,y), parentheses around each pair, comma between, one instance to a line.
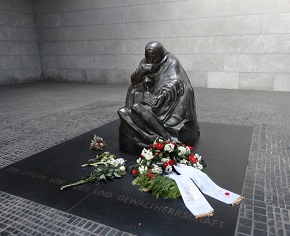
(19,52)
(222,44)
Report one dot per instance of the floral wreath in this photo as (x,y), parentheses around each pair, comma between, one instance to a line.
(156,161)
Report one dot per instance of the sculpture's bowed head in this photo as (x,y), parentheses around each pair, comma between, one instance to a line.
(154,53)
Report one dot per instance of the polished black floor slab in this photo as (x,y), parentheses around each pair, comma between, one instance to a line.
(119,204)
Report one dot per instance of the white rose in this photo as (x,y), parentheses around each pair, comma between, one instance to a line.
(120,161)
(164,160)
(183,161)
(147,154)
(169,147)
(122,168)
(182,151)
(114,163)
(141,169)
(156,169)
(198,157)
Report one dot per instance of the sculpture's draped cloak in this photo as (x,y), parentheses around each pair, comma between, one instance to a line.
(137,130)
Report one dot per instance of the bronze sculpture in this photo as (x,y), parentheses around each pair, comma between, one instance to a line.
(160,103)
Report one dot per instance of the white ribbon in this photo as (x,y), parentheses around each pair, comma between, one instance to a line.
(207,186)
(192,197)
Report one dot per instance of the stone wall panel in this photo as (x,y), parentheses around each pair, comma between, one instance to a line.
(223,80)
(256,81)
(210,37)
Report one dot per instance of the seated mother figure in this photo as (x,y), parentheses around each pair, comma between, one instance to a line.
(160,103)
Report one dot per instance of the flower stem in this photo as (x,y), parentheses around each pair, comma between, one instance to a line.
(95,164)
(83,181)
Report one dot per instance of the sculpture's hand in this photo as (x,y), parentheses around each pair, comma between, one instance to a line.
(154,102)
(146,67)
(149,68)
(160,101)
(149,101)
(139,73)
(154,68)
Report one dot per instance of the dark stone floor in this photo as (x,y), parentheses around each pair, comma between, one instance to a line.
(37,116)
(119,204)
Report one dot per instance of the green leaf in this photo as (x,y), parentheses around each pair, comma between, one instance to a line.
(160,186)
(102,177)
(122,173)
(149,163)
(117,175)
(130,168)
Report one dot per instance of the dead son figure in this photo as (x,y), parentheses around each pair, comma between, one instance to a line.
(160,103)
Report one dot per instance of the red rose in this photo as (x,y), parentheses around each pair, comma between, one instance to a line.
(134,172)
(167,141)
(171,162)
(190,148)
(192,158)
(151,145)
(159,146)
(165,164)
(149,175)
